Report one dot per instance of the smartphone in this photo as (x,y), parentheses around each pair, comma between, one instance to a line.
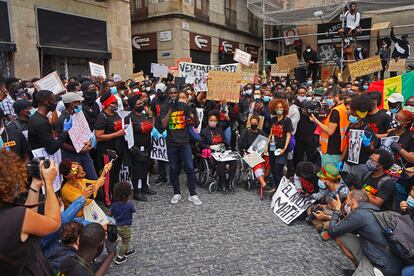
(112,155)
(87,185)
(112,232)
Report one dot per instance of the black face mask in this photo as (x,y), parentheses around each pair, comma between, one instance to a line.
(254,127)
(89,97)
(139,109)
(162,96)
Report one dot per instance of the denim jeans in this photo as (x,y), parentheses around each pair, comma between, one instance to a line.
(85,160)
(177,154)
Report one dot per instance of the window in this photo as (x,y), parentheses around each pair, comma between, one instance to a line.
(230,13)
(201,9)
(141,4)
(253,23)
(139,8)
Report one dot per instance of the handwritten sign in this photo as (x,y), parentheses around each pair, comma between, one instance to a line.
(242,57)
(97,70)
(51,82)
(253,159)
(249,72)
(287,62)
(159,149)
(275,72)
(138,77)
(224,85)
(80,132)
(57,157)
(397,65)
(365,66)
(380,26)
(287,203)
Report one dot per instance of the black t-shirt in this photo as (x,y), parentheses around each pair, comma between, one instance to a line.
(407,142)
(384,191)
(247,138)
(334,141)
(177,131)
(159,108)
(142,127)
(76,266)
(353,147)
(91,113)
(109,124)
(305,128)
(15,141)
(309,185)
(378,122)
(280,129)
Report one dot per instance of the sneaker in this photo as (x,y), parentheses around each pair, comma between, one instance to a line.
(129,253)
(194,199)
(175,199)
(325,236)
(120,259)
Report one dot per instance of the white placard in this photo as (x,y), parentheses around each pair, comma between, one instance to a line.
(129,135)
(200,114)
(97,70)
(57,157)
(159,70)
(355,142)
(51,82)
(228,155)
(388,141)
(80,132)
(242,57)
(259,145)
(287,203)
(253,159)
(159,149)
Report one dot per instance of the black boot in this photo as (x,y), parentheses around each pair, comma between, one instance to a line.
(222,186)
(229,187)
(139,196)
(146,189)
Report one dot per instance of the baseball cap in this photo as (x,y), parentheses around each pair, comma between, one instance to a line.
(160,88)
(71,97)
(396,98)
(20,105)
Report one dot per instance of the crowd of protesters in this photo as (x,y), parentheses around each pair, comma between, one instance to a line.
(310,127)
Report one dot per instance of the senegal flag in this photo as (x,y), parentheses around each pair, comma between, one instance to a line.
(403,84)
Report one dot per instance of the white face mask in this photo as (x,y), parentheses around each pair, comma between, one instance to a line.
(359,49)
(309,98)
(308,50)
(147,88)
(30,90)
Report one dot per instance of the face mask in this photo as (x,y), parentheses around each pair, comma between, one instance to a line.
(139,109)
(308,50)
(301,98)
(317,98)
(267,99)
(347,209)
(183,101)
(212,124)
(148,88)
(365,87)
(90,97)
(353,119)
(329,102)
(257,97)
(30,91)
(257,86)
(371,165)
(359,49)
(321,184)
(78,109)
(410,201)
(279,112)
(309,82)
(114,90)
(114,108)
(394,110)
(254,127)
(248,92)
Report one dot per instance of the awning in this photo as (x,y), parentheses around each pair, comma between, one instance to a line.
(71,52)
(6,43)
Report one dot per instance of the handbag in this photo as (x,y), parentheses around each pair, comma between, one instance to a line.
(193,133)
(94,213)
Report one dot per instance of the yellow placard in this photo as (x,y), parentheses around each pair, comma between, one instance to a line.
(275,72)
(365,66)
(380,26)
(287,62)
(138,77)
(397,65)
(224,86)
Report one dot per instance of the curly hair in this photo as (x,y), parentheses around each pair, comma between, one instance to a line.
(275,102)
(13,176)
(362,103)
(122,191)
(70,232)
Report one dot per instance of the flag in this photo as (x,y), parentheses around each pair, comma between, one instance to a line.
(403,84)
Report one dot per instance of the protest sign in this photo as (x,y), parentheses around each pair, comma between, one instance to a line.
(80,132)
(253,159)
(397,65)
(365,66)
(138,77)
(51,82)
(388,141)
(57,157)
(159,149)
(228,155)
(159,70)
(259,145)
(97,70)
(275,72)
(124,174)
(260,123)
(93,213)
(287,203)
(355,141)
(248,72)
(129,135)
(380,26)
(242,57)
(184,59)
(197,74)
(287,62)
(200,114)
(224,85)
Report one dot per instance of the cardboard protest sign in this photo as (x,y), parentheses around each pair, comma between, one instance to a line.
(253,159)
(388,141)
(260,123)
(287,203)
(159,149)
(159,70)
(97,70)
(397,65)
(224,85)
(80,132)
(380,26)
(242,57)
(249,72)
(51,82)
(275,72)
(138,77)
(57,157)
(197,74)
(355,141)
(259,145)
(365,66)
(287,62)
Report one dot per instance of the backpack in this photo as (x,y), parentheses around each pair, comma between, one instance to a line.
(399,231)
(382,180)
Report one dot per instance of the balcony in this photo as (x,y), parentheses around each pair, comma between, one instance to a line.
(253,26)
(231,18)
(201,9)
(139,9)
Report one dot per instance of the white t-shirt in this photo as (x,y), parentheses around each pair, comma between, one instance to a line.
(352,20)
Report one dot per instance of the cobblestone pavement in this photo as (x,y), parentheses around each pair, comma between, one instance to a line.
(235,234)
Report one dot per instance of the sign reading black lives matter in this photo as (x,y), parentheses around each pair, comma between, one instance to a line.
(287,203)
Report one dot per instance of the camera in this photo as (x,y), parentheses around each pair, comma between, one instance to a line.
(33,168)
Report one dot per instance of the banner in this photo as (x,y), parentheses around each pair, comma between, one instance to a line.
(159,149)
(224,85)
(197,74)
(242,57)
(365,66)
(51,82)
(80,132)
(57,157)
(287,203)
(97,70)
(397,65)
(287,62)
(355,141)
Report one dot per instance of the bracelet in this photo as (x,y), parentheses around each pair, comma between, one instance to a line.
(34,190)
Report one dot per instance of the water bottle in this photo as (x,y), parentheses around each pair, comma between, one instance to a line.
(272,144)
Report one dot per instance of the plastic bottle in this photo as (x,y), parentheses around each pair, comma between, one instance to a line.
(272,144)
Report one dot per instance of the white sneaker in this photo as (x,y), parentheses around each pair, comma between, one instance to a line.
(194,199)
(175,199)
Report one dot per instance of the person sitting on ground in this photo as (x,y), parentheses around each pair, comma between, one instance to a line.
(368,251)
(305,178)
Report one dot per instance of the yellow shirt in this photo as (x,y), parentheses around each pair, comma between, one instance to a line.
(70,193)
